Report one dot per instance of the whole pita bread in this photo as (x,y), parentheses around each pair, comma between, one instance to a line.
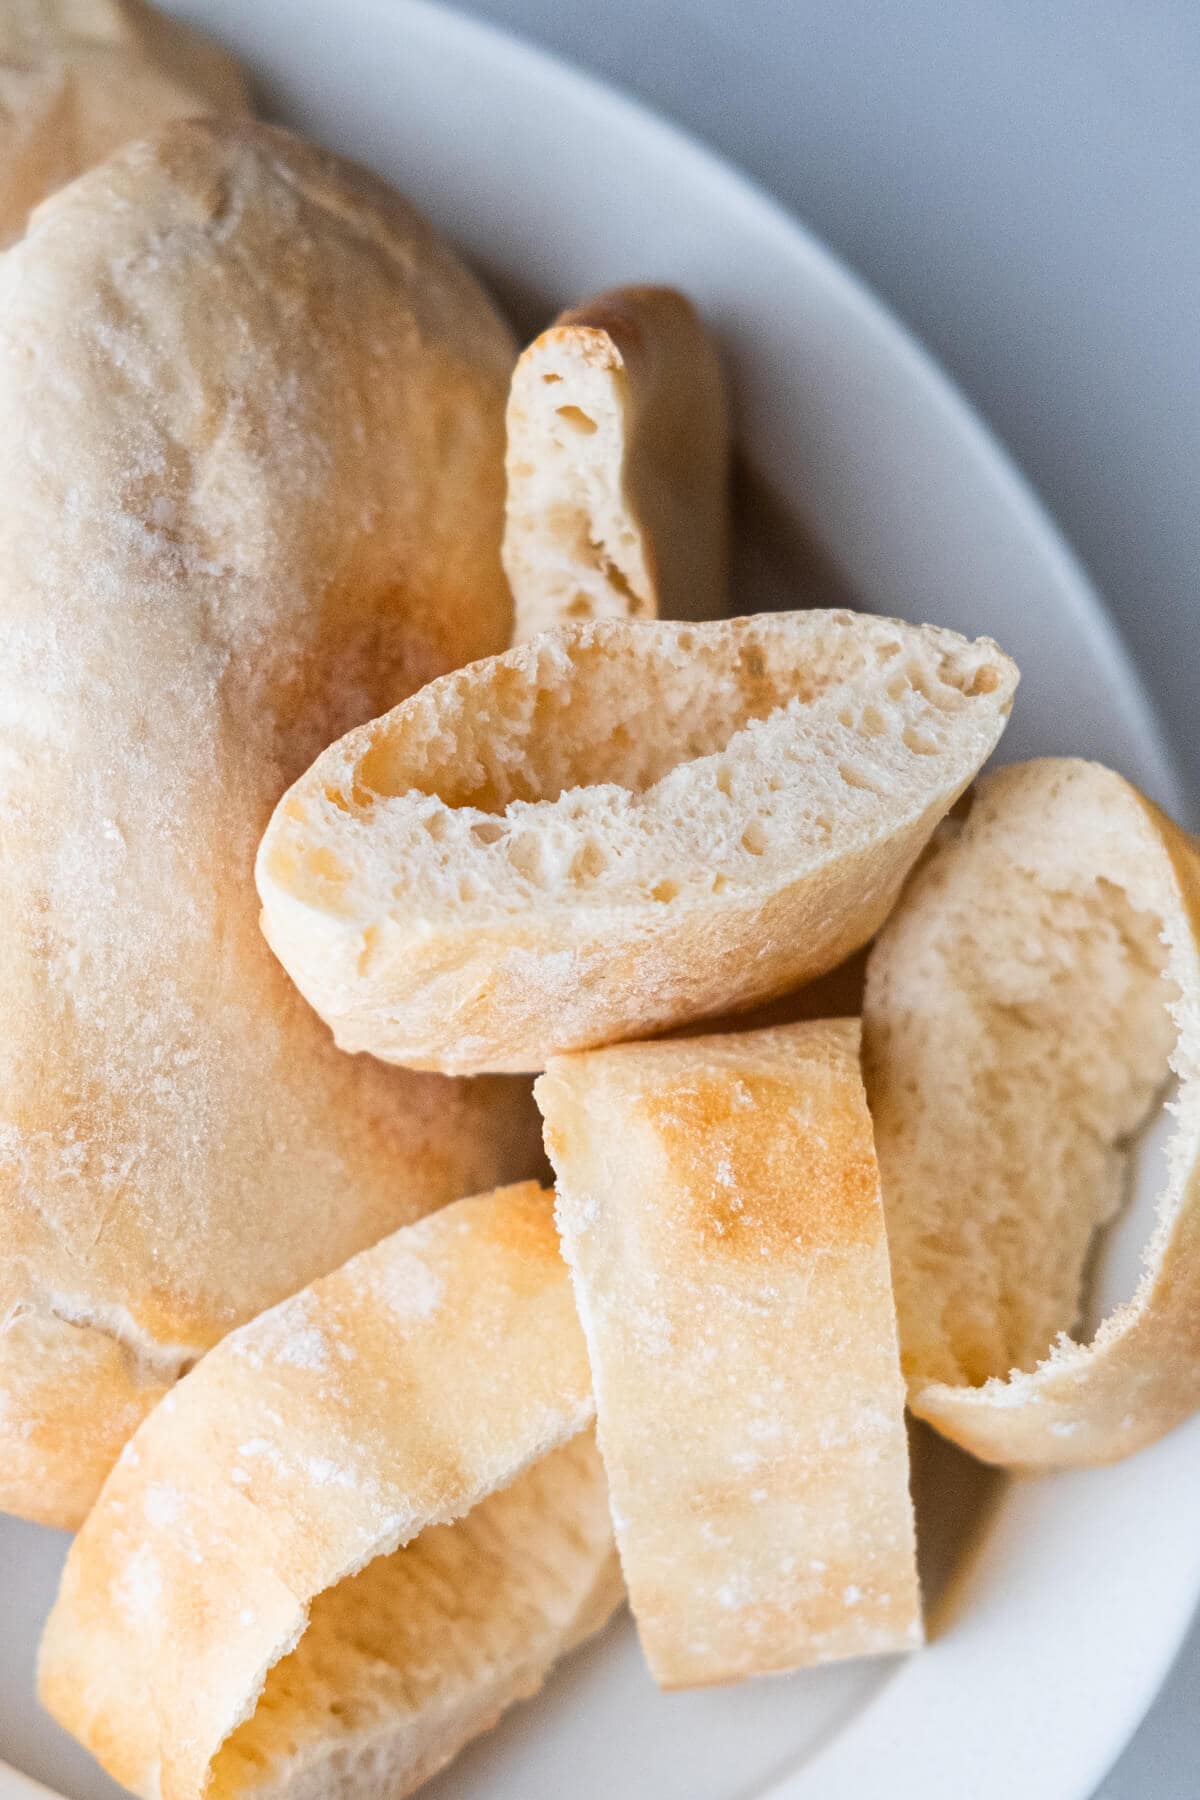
(251,491)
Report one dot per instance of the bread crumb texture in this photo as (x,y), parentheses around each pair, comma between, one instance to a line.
(250,493)
(1027,1005)
(618,466)
(720,1209)
(619,827)
(361,1526)
(405,1661)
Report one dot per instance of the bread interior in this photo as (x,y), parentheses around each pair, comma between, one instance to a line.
(581,533)
(1050,1047)
(630,710)
(404,1661)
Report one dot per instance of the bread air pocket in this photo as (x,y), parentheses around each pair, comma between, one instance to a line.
(620,827)
(618,466)
(363,1525)
(1026,1008)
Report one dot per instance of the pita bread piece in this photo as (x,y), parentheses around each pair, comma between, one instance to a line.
(1027,1003)
(79,78)
(719,1205)
(620,827)
(363,1525)
(618,466)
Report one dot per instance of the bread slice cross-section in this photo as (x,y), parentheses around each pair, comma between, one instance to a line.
(1029,1001)
(618,466)
(719,1205)
(620,827)
(364,1524)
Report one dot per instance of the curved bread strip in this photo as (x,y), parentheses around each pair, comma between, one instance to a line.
(405,1662)
(618,466)
(1023,1004)
(719,1206)
(250,494)
(396,1394)
(79,78)
(619,827)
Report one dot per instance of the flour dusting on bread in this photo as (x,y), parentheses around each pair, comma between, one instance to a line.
(250,494)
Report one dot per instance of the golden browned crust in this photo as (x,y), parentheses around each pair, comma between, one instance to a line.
(250,492)
(79,78)
(719,1205)
(618,466)
(394,1394)
(1023,1004)
(619,827)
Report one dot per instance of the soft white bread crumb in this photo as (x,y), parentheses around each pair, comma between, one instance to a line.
(1025,1005)
(618,466)
(719,1206)
(619,827)
(245,1522)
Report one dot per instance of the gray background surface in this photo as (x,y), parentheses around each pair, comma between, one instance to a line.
(1020,179)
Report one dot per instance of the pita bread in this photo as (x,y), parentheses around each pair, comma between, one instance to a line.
(620,827)
(618,466)
(239,1614)
(1025,1004)
(250,494)
(719,1206)
(79,78)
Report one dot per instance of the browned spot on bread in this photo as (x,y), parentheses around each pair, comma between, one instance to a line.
(591,343)
(526,1226)
(754,1173)
(753,663)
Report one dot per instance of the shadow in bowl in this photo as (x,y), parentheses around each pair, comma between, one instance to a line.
(954,1497)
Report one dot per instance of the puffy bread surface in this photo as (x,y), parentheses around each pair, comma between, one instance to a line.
(395,1395)
(250,493)
(618,466)
(79,78)
(719,1205)
(619,827)
(1033,996)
